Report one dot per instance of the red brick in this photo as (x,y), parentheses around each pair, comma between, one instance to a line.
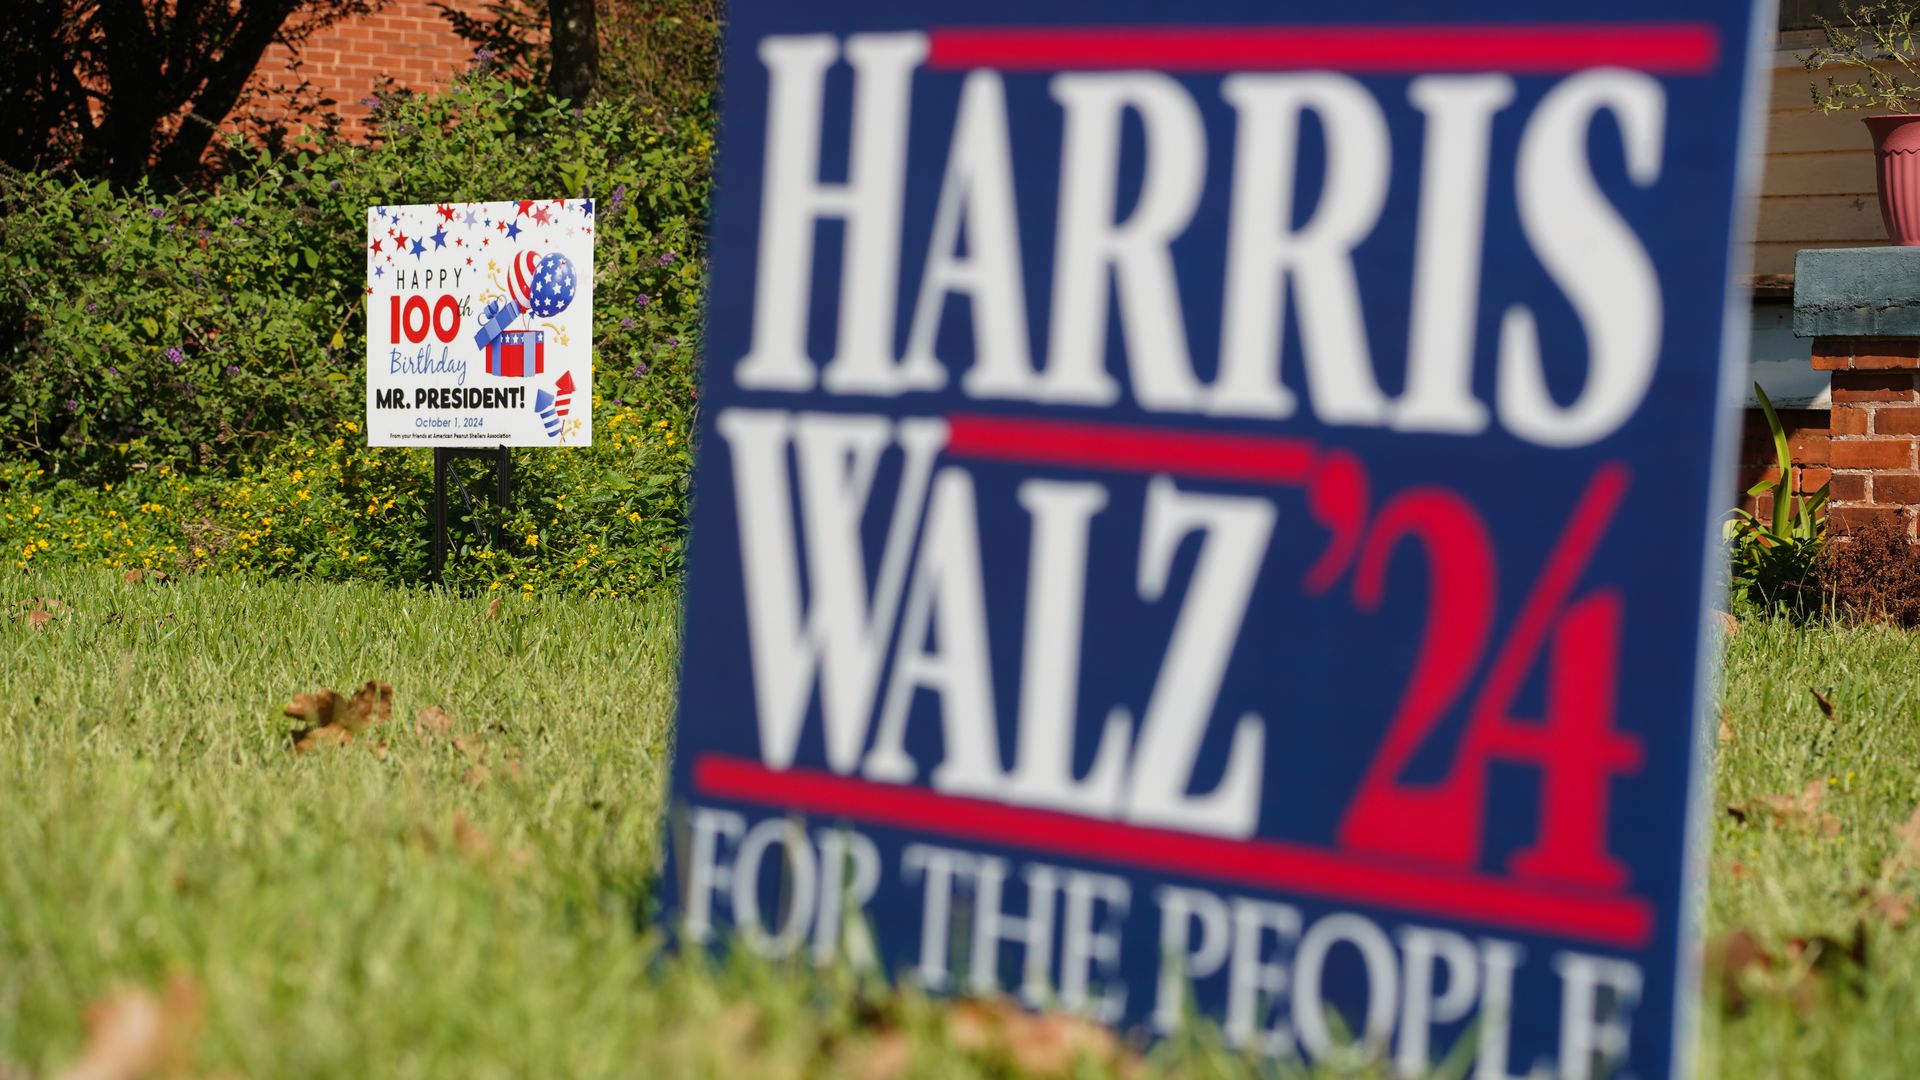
(1873,386)
(1872,453)
(1896,421)
(1850,420)
(1845,518)
(1831,354)
(1865,354)
(1812,479)
(1848,487)
(1808,447)
(1890,489)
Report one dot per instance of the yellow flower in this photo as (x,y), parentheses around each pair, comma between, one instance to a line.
(633,515)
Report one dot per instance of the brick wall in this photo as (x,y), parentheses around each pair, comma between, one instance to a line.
(1874,427)
(408,40)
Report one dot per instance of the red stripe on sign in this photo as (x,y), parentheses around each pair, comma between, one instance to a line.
(1536,49)
(1613,920)
(1263,459)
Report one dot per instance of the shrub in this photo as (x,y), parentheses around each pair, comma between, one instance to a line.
(1873,574)
(201,331)
(182,377)
(603,520)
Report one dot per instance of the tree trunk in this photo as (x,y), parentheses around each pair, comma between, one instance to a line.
(576,49)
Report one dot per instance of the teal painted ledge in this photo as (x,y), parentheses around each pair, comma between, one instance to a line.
(1857,292)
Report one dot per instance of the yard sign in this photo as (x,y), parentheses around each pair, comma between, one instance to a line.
(480,324)
(1206,508)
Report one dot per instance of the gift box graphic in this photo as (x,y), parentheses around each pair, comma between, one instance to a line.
(517,353)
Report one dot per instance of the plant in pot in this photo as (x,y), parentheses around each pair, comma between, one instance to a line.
(1875,48)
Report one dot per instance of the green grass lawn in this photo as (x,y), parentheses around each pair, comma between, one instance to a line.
(392,910)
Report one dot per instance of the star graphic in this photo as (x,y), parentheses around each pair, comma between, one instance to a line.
(540,215)
(468,220)
(376,247)
(513,230)
(400,239)
(586,207)
(469,260)
(419,248)
(379,271)
(445,211)
(525,205)
(380,210)
(439,239)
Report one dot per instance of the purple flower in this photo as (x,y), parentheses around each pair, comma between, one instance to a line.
(370,102)
(667,259)
(232,370)
(626,324)
(673,343)
(92,309)
(334,186)
(113,369)
(639,369)
(156,213)
(642,301)
(483,57)
(235,220)
(72,405)
(619,199)
(175,356)
(619,404)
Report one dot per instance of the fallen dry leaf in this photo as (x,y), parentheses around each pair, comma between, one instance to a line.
(37,611)
(139,574)
(1734,957)
(482,760)
(432,721)
(1728,624)
(1034,1044)
(1906,852)
(333,720)
(469,839)
(1825,703)
(885,1057)
(1800,811)
(493,608)
(1892,908)
(132,1032)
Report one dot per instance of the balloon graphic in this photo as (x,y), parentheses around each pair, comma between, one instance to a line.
(520,277)
(552,287)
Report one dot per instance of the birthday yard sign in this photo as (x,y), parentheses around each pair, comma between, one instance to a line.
(480,324)
(1206,510)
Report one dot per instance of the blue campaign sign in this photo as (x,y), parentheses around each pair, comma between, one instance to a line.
(1205,509)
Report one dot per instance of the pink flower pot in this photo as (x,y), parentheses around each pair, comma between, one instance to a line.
(1896,153)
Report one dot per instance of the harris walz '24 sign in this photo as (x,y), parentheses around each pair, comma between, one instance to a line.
(1199,516)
